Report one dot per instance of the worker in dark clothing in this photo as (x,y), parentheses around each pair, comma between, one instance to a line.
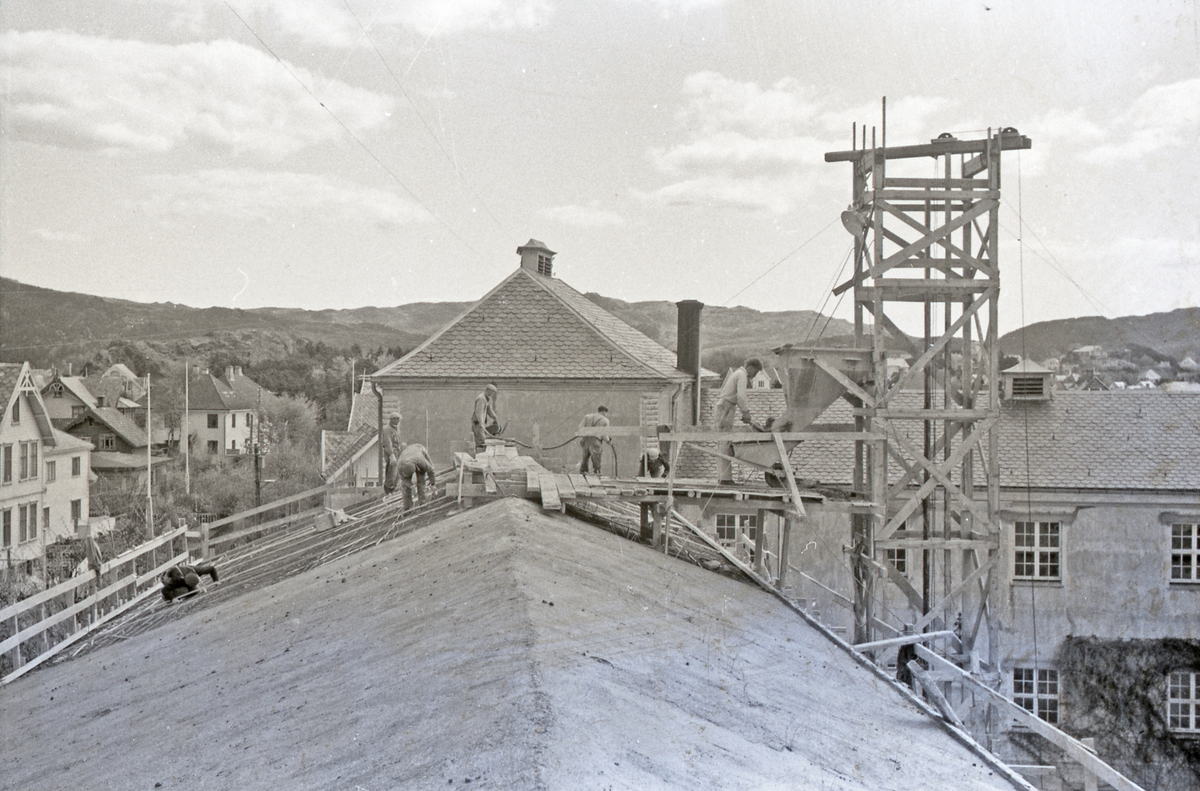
(185,578)
(484,420)
(392,445)
(653,465)
(415,463)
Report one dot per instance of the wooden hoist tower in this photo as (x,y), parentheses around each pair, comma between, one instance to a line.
(926,451)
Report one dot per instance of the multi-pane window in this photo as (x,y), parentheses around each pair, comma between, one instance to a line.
(1185,553)
(6,527)
(729,525)
(28,455)
(51,471)
(23,455)
(7,463)
(76,466)
(27,522)
(108,442)
(1036,551)
(76,511)
(898,558)
(1183,701)
(214,421)
(1036,691)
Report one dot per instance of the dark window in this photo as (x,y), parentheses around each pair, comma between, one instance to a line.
(213,447)
(6,531)
(76,466)
(77,411)
(45,517)
(23,534)
(16,411)
(108,442)
(898,558)
(233,420)
(214,421)
(76,511)
(24,461)
(8,464)
(56,390)
(51,471)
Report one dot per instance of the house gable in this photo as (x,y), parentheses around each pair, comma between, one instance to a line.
(535,327)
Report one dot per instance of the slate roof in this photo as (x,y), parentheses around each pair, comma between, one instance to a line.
(218,394)
(10,373)
(364,412)
(65,443)
(340,447)
(78,388)
(122,425)
(1121,439)
(531,326)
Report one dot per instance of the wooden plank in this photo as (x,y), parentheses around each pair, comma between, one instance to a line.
(963,183)
(1074,749)
(1005,142)
(908,639)
(533,480)
(579,484)
(593,480)
(974,166)
(934,543)
(932,196)
(796,501)
(566,490)
(263,508)
(267,525)
(613,431)
(142,549)
(549,489)
(489,482)
(762,436)
(931,689)
(948,599)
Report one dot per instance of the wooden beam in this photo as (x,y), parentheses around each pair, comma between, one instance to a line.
(937,148)
(263,508)
(796,502)
(948,599)
(845,381)
(762,436)
(908,639)
(934,543)
(935,694)
(1074,749)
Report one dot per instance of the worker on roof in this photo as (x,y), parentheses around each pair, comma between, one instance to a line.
(733,398)
(653,465)
(484,420)
(415,463)
(392,445)
(185,578)
(593,446)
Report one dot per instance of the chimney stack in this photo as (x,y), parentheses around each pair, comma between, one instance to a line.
(537,258)
(687,337)
(229,373)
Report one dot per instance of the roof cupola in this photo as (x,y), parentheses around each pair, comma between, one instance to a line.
(537,257)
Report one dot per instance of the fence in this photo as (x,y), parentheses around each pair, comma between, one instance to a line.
(246,525)
(44,624)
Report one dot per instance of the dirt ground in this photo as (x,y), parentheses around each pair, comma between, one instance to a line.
(500,648)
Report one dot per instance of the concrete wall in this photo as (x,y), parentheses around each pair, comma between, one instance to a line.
(439,417)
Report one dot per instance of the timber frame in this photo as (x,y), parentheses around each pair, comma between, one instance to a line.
(933,242)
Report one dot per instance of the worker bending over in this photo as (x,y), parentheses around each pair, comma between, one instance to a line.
(184,578)
(593,446)
(415,463)
(733,398)
(653,465)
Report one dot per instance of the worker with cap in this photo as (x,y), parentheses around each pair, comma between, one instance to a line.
(415,463)
(392,445)
(185,578)
(484,421)
(593,446)
(653,465)
(732,399)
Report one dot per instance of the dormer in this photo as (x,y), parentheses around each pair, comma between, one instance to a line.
(537,257)
(1027,381)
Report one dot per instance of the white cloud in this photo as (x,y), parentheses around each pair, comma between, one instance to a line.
(69,90)
(582,216)
(764,148)
(267,196)
(1164,116)
(330,23)
(62,237)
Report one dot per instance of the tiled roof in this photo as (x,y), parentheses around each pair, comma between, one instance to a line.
(132,434)
(65,443)
(364,412)
(532,326)
(78,388)
(9,374)
(211,392)
(340,447)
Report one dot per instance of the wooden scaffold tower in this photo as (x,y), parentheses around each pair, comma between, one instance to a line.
(928,244)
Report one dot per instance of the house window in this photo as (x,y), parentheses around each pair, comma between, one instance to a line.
(1185,553)
(16,412)
(76,512)
(214,447)
(233,446)
(51,471)
(898,558)
(730,526)
(46,517)
(1036,555)
(6,530)
(33,459)
(249,421)
(76,466)
(214,421)
(1183,702)
(1036,691)
(27,528)
(56,390)
(108,442)
(26,472)
(7,464)
(233,419)
(77,411)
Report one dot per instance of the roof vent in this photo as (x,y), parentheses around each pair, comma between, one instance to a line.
(1026,381)
(537,257)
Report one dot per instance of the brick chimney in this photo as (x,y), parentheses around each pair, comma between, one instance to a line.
(537,258)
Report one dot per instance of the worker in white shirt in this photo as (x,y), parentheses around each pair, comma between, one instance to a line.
(732,399)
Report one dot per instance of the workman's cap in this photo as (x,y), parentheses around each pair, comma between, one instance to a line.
(602,408)
(395,416)
(652,452)
(492,388)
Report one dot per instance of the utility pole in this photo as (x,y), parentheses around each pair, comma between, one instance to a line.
(149,466)
(187,436)
(256,435)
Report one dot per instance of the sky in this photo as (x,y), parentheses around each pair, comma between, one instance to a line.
(343,153)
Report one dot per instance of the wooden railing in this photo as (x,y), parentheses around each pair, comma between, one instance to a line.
(287,512)
(44,624)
